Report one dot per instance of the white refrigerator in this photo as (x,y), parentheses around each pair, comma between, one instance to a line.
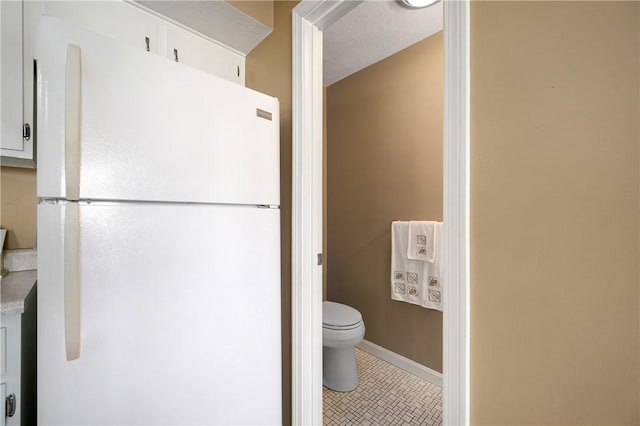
(158,239)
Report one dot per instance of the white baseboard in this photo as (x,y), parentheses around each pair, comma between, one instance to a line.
(399,361)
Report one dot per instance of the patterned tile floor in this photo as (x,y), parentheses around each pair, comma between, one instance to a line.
(386,395)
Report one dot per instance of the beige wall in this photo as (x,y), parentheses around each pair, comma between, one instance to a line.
(268,69)
(554,213)
(384,163)
(18,203)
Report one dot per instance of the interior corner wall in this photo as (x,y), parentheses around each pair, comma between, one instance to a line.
(384,163)
(555,123)
(269,70)
(18,205)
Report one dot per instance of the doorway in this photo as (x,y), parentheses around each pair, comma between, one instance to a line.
(309,21)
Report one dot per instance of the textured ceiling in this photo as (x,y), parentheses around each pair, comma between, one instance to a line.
(372,31)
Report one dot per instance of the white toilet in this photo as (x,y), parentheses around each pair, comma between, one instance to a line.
(342,330)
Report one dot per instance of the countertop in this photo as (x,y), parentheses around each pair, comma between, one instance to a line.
(20,260)
(15,287)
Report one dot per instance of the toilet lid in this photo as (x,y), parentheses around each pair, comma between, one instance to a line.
(339,315)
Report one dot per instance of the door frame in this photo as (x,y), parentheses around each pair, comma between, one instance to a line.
(310,18)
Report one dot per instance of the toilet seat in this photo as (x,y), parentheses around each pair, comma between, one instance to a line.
(336,316)
(342,327)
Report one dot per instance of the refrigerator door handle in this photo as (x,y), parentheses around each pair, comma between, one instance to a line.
(73,73)
(72,280)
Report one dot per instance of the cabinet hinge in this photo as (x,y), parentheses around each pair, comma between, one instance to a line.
(26,131)
(10,405)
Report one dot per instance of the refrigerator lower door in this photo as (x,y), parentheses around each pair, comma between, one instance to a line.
(178,316)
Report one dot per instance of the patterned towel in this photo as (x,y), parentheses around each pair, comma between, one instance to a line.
(421,241)
(415,281)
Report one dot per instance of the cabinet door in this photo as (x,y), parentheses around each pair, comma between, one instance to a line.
(3,395)
(11,76)
(11,331)
(3,352)
(3,364)
(117,20)
(207,56)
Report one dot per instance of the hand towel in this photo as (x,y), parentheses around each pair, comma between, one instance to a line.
(432,272)
(406,275)
(421,241)
(415,281)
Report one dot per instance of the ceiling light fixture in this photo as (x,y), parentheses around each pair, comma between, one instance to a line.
(417,4)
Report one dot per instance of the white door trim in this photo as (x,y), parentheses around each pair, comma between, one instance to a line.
(310,18)
(456,306)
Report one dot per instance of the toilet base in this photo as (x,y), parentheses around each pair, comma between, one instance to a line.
(339,369)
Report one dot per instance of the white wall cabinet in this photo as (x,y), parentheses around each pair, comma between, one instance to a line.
(135,25)
(116,19)
(204,55)
(11,25)
(13,112)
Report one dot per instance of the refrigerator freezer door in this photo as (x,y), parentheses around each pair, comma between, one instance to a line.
(179,316)
(149,128)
